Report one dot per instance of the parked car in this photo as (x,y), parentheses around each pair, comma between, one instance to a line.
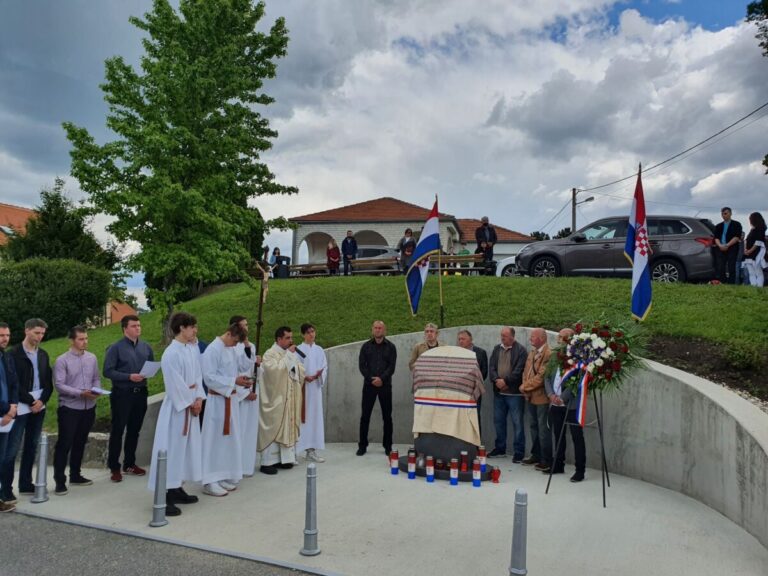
(681,245)
(506,266)
(371,252)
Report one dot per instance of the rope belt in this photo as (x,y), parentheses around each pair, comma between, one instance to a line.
(227,409)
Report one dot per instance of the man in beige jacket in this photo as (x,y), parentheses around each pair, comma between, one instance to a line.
(538,402)
(430,341)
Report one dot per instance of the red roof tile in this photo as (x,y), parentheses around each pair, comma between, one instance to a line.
(467,227)
(14,217)
(378,210)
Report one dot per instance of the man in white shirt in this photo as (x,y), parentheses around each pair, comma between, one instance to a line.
(312,434)
(222,448)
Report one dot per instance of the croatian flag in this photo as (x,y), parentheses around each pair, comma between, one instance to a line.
(638,252)
(429,243)
(582,397)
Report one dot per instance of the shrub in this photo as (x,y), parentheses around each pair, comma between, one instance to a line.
(61,292)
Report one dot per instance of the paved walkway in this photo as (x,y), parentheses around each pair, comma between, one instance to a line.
(372,523)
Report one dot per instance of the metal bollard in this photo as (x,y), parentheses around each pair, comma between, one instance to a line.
(158,508)
(519,533)
(310,521)
(41,482)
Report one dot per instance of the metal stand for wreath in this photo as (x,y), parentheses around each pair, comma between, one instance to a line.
(561,437)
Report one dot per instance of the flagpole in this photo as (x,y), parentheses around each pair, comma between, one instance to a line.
(440,270)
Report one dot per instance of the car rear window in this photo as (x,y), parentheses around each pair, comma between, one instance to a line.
(666,227)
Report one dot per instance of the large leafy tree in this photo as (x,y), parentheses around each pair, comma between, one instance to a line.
(186,159)
(757,12)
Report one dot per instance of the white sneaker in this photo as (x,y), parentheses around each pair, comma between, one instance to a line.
(313,457)
(228,485)
(214,489)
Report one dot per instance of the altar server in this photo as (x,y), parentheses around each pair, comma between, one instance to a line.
(247,365)
(312,435)
(222,448)
(177,430)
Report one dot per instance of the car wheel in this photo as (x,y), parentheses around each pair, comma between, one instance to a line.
(508,270)
(545,267)
(669,271)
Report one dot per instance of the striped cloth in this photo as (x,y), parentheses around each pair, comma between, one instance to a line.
(446,385)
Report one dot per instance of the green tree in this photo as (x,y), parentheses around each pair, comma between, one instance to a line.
(64,293)
(59,229)
(757,12)
(539,235)
(187,158)
(563,232)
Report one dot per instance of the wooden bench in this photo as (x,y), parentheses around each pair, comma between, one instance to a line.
(380,266)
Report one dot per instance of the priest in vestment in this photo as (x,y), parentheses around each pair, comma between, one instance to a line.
(312,435)
(280,403)
(247,365)
(178,431)
(222,447)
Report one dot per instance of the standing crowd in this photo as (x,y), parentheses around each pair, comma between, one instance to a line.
(740,258)
(224,406)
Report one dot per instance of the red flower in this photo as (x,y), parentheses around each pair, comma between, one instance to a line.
(624,349)
(616,365)
(604,333)
(578,328)
(613,345)
(608,375)
(618,334)
(595,330)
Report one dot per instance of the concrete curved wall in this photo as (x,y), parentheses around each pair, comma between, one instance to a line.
(665,426)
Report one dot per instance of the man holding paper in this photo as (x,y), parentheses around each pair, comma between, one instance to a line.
(35,378)
(76,376)
(123,365)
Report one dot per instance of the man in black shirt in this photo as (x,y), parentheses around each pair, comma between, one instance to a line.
(378,357)
(128,401)
(727,239)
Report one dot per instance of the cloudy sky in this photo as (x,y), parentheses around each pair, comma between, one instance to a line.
(499,107)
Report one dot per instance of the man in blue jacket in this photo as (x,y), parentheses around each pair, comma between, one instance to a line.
(348,252)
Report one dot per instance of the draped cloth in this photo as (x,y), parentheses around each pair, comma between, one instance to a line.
(280,398)
(446,385)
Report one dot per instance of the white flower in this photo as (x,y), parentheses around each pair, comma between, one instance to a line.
(591,368)
(599,362)
(594,337)
(606,354)
(600,343)
(571,362)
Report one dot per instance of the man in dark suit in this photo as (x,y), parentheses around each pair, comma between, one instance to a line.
(464,339)
(727,238)
(9,400)
(35,377)
(486,233)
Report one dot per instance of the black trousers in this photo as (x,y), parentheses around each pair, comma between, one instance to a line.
(384,394)
(558,418)
(347,266)
(726,262)
(74,426)
(128,408)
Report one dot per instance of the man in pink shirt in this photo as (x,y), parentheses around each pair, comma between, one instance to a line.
(76,375)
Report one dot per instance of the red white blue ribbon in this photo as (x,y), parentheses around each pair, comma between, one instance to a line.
(581,408)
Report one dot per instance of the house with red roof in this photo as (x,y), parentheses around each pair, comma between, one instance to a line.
(13,219)
(382,222)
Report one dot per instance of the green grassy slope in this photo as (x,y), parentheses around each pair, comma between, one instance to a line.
(343,309)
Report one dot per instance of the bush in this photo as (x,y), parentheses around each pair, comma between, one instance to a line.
(64,293)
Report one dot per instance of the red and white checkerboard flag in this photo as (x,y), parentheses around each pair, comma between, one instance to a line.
(638,252)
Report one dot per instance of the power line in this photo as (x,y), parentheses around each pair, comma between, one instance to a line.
(568,203)
(740,120)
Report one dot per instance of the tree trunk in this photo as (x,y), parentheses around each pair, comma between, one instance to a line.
(167,333)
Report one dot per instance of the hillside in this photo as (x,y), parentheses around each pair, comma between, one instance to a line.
(718,332)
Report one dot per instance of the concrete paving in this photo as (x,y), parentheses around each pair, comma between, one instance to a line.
(373,523)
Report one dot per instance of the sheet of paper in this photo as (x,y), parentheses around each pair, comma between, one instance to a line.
(7,427)
(149,369)
(100,391)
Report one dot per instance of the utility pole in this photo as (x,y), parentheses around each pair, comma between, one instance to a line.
(573,210)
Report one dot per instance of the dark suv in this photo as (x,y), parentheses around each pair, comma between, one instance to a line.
(682,250)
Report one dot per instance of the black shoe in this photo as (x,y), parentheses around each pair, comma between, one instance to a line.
(181,497)
(557,471)
(9,498)
(530,461)
(172,510)
(61,489)
(80,481)
(496,453)
(27,489)
(517,459)
(285,466)
(360,451)
(577,477)
(542,467)
(270,470)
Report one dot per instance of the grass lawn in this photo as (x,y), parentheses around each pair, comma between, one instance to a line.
(729,320)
